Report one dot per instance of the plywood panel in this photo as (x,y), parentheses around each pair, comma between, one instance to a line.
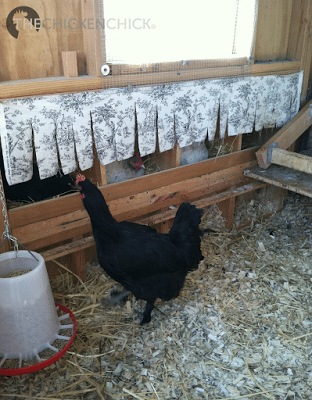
(297,27)
(283,177)
(273,29)
(300,39)
(36,53)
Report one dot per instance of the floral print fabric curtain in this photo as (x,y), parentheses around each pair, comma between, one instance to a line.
(62,128)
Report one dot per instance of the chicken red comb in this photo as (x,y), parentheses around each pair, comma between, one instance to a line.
(137,165)
(80,178)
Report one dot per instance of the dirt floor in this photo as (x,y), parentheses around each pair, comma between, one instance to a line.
(240,329)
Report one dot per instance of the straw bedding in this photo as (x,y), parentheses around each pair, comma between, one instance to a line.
(241,328)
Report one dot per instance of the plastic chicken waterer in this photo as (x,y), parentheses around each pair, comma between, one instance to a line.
(29,322)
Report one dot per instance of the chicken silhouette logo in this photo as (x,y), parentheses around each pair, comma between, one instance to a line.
(22,18)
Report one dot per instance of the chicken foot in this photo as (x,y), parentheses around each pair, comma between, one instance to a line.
(147,313)
(116,296)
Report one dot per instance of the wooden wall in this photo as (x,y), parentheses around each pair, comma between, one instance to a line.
(37,54)
(273,29)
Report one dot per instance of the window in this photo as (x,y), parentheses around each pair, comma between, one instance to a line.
(145,32)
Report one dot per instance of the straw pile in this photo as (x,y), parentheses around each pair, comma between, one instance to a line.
(241,328)
(219,147)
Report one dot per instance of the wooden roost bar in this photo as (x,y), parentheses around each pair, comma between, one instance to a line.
(60,226)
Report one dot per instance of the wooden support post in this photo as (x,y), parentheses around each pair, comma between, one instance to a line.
(287,135)
(78,261)
(167,159)
(227,207)
(164,227)
(235,142)
(70,67)
(97,173)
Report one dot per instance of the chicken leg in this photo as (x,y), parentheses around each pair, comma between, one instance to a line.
(147,313)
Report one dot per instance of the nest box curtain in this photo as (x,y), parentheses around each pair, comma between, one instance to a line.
(62,128)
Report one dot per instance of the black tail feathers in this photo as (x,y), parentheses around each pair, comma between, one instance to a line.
(186,235)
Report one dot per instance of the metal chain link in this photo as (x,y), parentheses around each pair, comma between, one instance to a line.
(6,234)
(4,211)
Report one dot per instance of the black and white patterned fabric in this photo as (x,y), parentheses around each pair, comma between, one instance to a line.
(58,127)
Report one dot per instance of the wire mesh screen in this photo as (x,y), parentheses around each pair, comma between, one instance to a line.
(146,42)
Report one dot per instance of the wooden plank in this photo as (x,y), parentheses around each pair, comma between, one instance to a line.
(273,29)
(167,159)
(300,39)
(283,177)
(92,38)
(306,57)
(227,208)
(69,248)
(125,69)
(292,160)
(46,242)
(160,217)
(77,260)
(69,61)
(287,135)
(188,190)
(58,228)
(48,227)
(250,185)
(47,209)
(97,173)
(37,87)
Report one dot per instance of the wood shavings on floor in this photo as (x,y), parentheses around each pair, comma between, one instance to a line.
(240,329)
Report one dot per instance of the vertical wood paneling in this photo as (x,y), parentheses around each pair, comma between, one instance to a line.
(300,39)
(273,29)
(37,54)
(92,38)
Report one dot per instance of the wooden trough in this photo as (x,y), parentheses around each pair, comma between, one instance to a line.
(61,226)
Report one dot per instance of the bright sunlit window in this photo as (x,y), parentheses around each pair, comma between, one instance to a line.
(148,31)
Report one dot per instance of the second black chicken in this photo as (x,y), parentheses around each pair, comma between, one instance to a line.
(149,264)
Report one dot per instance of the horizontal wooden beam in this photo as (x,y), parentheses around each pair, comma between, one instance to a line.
(49,222)
(48,209)
(292,160)
(283,177)
(159,217)
(69,248)
(287,135)
(249,186)
(53,230)
(38,87)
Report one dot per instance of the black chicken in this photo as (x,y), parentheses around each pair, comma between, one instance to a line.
(149,264)
(36,189)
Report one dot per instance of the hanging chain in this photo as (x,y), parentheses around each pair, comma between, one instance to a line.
(6,234)
(4,211)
